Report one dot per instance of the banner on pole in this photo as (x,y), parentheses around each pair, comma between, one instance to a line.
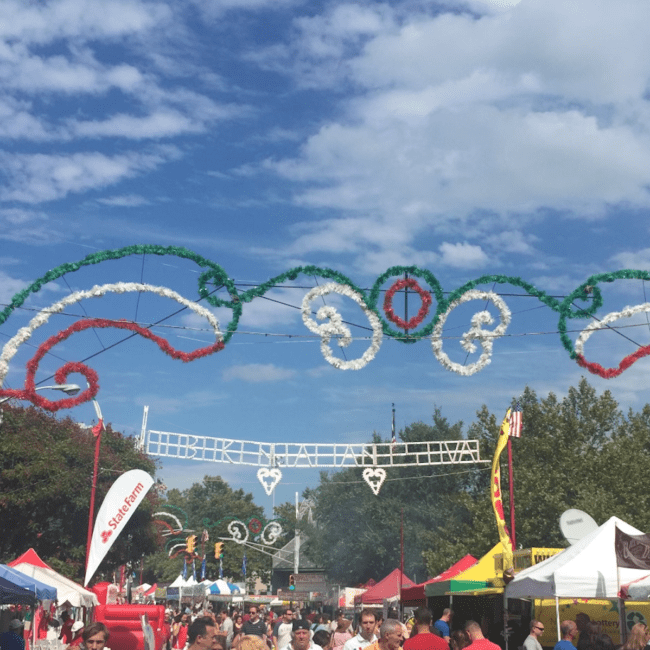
(495,493)
(119,505)
(632,551)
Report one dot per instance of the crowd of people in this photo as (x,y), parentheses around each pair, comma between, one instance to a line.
(259,629)
(202,628)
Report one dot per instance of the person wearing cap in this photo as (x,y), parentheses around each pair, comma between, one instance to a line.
(76,629)
(301,636)
(13,638)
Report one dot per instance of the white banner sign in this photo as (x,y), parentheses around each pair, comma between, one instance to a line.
(120,503)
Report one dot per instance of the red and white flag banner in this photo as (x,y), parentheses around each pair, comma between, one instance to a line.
(120,503)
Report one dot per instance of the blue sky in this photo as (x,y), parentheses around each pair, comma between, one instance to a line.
(466,138)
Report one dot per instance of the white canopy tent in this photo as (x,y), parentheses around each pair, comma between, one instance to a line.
(585,570)
(67,590)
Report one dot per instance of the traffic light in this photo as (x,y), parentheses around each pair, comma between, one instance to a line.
(218,550)
(292,582)
(190,543)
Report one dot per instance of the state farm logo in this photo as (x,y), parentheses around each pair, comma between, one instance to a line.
(105,535)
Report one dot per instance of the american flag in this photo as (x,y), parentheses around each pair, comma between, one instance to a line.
(515,421)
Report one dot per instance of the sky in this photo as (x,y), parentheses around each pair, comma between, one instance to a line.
(462,137)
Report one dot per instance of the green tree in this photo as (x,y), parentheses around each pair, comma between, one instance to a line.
(212,506)
(580,452)
(45,482)
(357,534)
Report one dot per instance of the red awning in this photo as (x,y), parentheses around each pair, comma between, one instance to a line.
(386,588)
(415,595)
(30,557)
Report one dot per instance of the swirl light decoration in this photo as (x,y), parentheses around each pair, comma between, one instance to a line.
(381,319)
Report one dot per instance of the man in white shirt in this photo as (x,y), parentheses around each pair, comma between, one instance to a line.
(226,626)
(283,630)
(366,634)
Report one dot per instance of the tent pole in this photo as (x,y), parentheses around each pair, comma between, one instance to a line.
(505,618)
(557,617)
(621,608)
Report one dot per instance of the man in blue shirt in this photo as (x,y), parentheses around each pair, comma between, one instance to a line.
(568,630)
(442,624)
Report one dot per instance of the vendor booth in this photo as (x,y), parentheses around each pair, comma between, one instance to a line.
(386,589)
(40,590)
(416,596)
(585,571)
(31,565)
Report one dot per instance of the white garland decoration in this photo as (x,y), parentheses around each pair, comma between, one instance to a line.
(238,531)
(476,333)
(602,323)
(335,327)
(24,333)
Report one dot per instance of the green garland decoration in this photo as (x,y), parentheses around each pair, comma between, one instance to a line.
(588,292)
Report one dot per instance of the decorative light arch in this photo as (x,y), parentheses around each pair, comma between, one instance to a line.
(328,323)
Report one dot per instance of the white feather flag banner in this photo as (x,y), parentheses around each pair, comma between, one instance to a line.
(119,505)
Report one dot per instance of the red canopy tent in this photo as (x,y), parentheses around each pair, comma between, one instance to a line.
(386,588)
(30,557)
(415,596)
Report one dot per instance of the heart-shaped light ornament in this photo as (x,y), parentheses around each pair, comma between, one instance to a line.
(269,478)
(374,477)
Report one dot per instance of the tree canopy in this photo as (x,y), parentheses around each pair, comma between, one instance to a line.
(577,452)
(211,506)
(46,470)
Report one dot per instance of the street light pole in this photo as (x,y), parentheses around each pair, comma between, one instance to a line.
(68,389)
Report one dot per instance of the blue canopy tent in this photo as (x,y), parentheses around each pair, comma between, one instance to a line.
(39,589)
(10,594)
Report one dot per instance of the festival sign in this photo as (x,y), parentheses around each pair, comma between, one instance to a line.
(119,505)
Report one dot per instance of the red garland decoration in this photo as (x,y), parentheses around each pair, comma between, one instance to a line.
(255,526)
(610,373)
(62,373)
(425,297)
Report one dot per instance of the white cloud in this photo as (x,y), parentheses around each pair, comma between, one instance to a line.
(633,259)
(463,255)
(258,372)
(79,19)
(462,124)
(28,226)
(124,201)
(34,178)
(9,287)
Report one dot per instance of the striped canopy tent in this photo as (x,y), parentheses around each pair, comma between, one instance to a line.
(40,590)
(416,596)
(31,565)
